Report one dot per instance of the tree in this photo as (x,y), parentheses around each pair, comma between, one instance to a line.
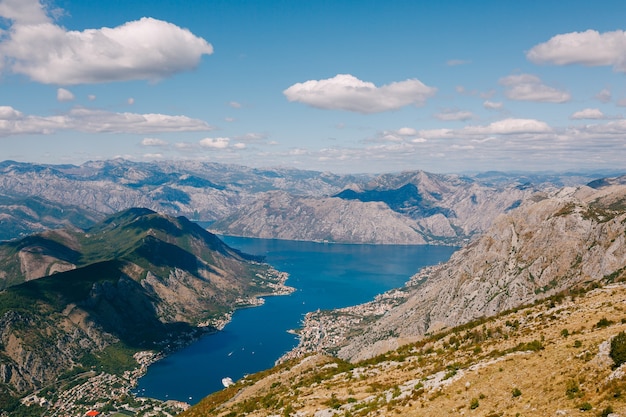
(618,349)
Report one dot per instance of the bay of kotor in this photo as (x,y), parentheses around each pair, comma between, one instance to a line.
(325,275)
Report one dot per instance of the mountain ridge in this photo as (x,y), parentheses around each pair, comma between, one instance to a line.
(136,281)
(209,192)
(549,244)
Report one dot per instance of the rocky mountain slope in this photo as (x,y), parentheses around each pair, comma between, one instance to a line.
(137,280)
(418,206)
(408,208)
(550,244)
(20,216)
(558,357)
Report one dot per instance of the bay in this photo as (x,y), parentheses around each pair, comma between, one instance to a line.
(325,275)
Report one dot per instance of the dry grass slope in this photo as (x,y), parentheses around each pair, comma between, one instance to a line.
(548,359)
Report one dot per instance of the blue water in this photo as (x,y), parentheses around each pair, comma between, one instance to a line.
(325,276)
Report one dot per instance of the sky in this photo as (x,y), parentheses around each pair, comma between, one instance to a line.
(342,86)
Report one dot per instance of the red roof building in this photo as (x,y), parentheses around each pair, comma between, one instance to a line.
(92,413)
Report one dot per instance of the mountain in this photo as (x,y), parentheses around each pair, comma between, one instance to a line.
(406,208)
(138,280)
(420,207)
(528,319)
(20,216)
(559,357)
(202,191)
(279,215)
(551,243)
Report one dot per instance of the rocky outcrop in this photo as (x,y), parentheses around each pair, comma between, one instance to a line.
(550,244)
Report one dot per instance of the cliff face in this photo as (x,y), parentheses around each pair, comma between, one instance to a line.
(550,244)
(137,280)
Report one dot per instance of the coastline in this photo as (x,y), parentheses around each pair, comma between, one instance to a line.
(101,391)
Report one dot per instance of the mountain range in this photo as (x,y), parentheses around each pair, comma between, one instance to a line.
(551,243)
(527,319)
(93,294)
(406,207)
(74,300)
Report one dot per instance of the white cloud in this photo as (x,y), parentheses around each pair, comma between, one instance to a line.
(509,126)
(91,97)
(184,146)
(604,95)
(24,11)
(502,127)
(588,114)
(215,143)
(13,122)
(528,87)
(235,105)
(454,115)
(94,121)
(153,142)
(130,101)
(492,105)
(251,137)
(407,131)
(346,92)
(590,48)
(145,49)
(239,145)
(614,129)
(152,156)
(64,95)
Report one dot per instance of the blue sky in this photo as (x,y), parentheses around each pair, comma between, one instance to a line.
(341,86)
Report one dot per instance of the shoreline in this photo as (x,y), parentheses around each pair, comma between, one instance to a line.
(118,390)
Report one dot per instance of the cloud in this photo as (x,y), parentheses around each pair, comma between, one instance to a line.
(145,49)
(130,101)
(588,114)
(407,131)
(91,97)
(454,115)
(505,127)
(235,105)
(509,126)
(24,11)
(14,122)
(604,95)
(594,132)
(215,143)
(590,48)
(492,105)
(64,95)
(96,121)
(527,87)
(153,142)
(251,137)
(346,92)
